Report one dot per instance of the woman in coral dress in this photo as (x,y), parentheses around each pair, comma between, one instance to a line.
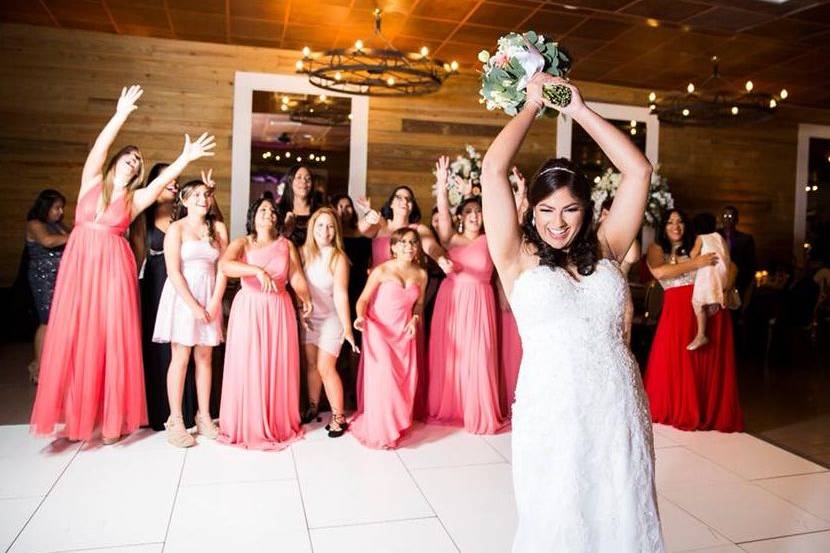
(91,369)
(388,313)
(690,390)
(261,387)
(463,344)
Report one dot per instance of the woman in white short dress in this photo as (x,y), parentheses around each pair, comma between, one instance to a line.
(327,271)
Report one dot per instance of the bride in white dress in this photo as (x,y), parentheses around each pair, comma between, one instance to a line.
(583,457)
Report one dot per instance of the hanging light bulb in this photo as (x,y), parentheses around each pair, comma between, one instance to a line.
(338,75)
(652,97)
(323,158)
(734,110)
(287,155)
(299,159)
(784,94)
(633,131)
(285,99)
(749,86)
(773,103)
(690,88)
(266,155)
(323,97)
(633,123)
(278,158)
(652,107)
(390,81)
(686,113)
(284,107)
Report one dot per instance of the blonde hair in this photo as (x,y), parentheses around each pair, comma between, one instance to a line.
(109,176)
(310,249)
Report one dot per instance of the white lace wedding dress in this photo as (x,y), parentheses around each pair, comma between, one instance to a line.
(583,457)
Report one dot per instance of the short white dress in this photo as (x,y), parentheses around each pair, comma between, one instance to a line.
(175,322)
(710,280)
(325,330)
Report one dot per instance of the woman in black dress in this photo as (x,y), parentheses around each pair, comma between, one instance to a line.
(45,240)
(298,202)
(359,251)
(151,282)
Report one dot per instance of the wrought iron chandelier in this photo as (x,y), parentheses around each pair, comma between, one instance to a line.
(383,71)
(320,111)
(715,102)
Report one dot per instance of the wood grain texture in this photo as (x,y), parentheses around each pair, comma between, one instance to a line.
(58,87)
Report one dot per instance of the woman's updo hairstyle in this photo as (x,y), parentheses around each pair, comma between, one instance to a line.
(583,251)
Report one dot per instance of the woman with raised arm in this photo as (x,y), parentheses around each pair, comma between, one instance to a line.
(190,308)
(91,369)
(463,340)
(261,385)
(388,314)
(583,458)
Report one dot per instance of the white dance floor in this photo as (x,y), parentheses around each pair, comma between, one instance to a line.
(443,491)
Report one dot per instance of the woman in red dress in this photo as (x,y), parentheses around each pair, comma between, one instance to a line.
(690,390)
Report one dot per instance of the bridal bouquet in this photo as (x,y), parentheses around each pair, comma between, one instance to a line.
(505,74)
(464,177)
(659,197)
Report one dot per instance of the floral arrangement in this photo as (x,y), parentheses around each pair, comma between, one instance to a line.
(659,196)
(505,74)
(464,177)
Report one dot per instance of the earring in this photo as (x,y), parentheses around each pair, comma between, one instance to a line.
(461,227)
(533,219)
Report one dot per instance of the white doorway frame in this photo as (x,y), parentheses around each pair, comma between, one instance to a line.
(245,84)
(564,127)
(802,176)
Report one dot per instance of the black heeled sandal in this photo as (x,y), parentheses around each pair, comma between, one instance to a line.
(338,426)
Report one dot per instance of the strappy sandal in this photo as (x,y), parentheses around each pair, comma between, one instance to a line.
(177,434)
(338,425)
(205,426)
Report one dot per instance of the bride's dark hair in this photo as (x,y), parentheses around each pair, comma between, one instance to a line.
(583,251)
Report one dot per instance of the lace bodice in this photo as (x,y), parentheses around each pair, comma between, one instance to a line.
(683,280)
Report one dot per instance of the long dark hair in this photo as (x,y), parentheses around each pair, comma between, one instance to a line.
(287,200)
(663,238)
(386,208)
(180,211)
(250,221)
(583,251)
(336,200)
(43,203)
(155,171)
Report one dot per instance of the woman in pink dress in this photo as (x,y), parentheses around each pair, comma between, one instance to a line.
(261,389)
(388,313)
(91,369)
(327,271)
(401,210)
(463,344)
(190,308)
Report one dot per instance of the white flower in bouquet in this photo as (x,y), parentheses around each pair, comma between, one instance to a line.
(505,74)
(659,200)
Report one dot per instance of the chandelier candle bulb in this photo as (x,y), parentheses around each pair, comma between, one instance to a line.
(686,113)
(299,65)
(306,51)
(690,88)
(424,51)
(358,44)
(734,110)
(773,103)
(454,65)
(323,158)
(652,97)
(783,94)
(749,86)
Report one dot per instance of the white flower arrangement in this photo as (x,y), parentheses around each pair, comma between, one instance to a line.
(659,201)
(464,177)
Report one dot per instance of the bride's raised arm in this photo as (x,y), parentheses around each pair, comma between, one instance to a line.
(620,228)
(498,206)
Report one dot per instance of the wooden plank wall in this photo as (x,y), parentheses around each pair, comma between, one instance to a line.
(58,87)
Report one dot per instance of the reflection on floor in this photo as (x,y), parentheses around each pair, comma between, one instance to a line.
(444,490)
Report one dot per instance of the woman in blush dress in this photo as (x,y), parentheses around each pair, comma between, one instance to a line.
(327,271)
(388,313)
(91,370)
(583,457)
(190,307)
(463,343)
(261,387)
(45,241)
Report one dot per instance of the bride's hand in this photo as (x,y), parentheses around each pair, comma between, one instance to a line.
(576,103)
